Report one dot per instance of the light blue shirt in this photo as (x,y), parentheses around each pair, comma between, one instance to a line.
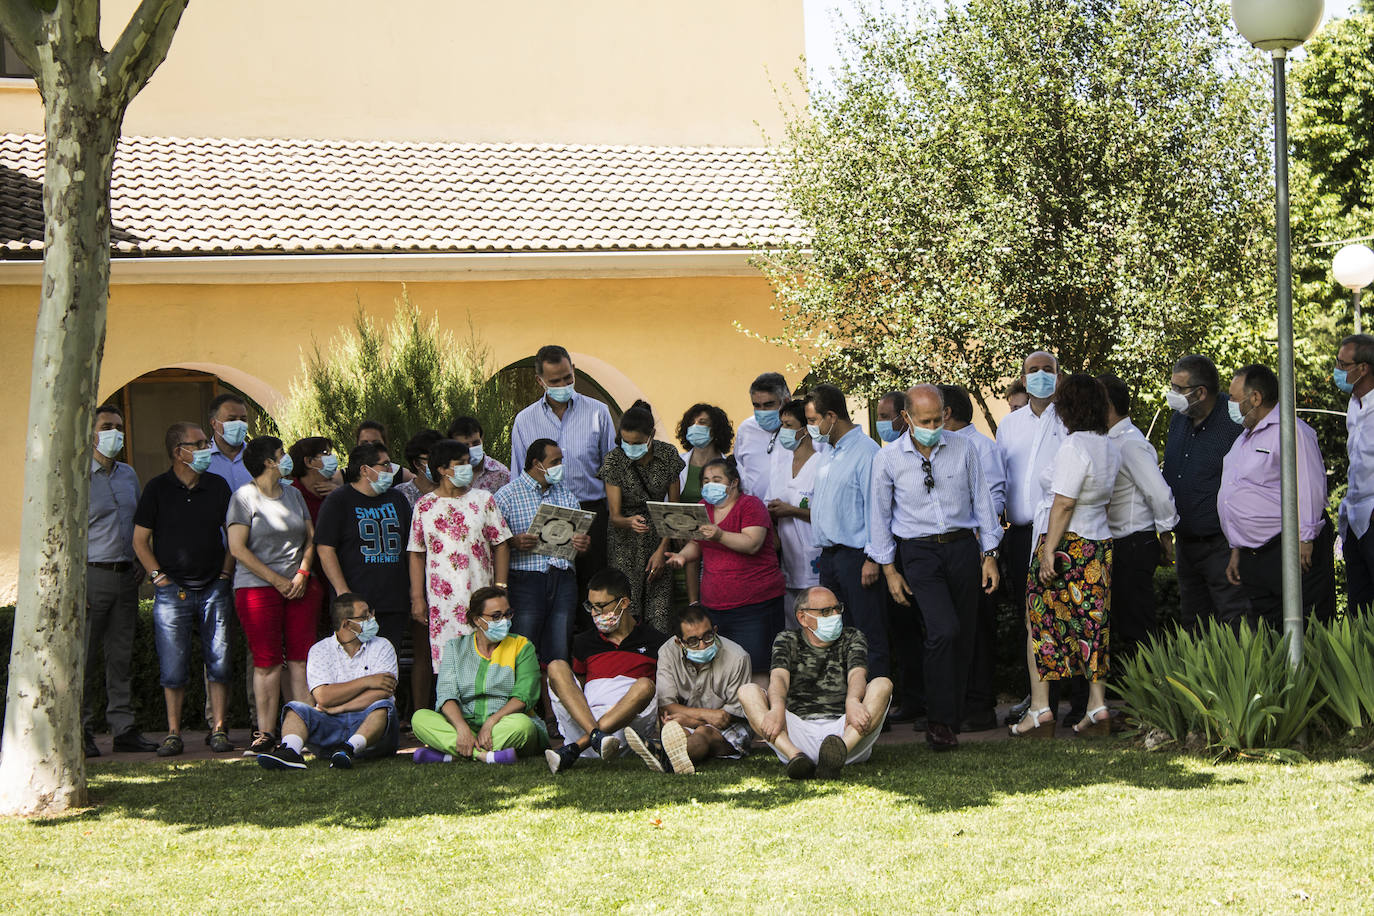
(585,434)
(231,469)
(839,505)
(994,471)
(519,502)
(904,508)
(114,495)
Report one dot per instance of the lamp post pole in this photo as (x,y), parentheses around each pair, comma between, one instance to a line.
(1359,325)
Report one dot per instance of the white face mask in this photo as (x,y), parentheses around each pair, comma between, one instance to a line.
(1177,402)
(109,442)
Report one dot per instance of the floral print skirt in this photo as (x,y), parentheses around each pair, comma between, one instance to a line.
(1068,619)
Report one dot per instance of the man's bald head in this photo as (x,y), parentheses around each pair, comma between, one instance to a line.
(925,395)
(1039,361)
(925,407)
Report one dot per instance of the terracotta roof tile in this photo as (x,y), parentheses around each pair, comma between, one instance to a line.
(187,196)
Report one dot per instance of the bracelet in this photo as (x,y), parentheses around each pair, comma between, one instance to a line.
(303,572)
(501,585)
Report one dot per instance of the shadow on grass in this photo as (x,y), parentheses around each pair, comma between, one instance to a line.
(212,794)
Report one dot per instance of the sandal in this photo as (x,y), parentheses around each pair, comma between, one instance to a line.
(1038,728)
(219,741)
(170,746)
(1093,727)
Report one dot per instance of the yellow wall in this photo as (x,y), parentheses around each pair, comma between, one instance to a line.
(541,71)
(671,341)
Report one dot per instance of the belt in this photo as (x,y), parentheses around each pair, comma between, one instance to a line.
(836,548)
(1147,534)
(121,566)
(949,537)
(1195,538)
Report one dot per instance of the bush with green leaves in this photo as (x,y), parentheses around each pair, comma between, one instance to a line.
(408,375)
(1342,654)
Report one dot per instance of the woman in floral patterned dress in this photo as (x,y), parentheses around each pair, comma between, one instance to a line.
(459,542)
(1068,590)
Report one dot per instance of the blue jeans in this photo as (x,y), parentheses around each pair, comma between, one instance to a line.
(544,604)
(175,610)
(325,731)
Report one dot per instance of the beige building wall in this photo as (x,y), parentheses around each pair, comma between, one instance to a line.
(669,340)
(535,71)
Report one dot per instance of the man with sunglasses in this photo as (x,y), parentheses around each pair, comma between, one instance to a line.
(351,676)
(609,687)
(932,513)
(179,538)
(700,674)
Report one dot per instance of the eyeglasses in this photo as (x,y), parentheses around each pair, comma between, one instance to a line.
(1182,389)
(367,616)
(697,642)
(1346,366)
(508,615)
(825,611)
(195,445)
(596,610)
(930,474)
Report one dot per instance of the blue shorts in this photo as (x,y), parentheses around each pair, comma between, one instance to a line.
(325,731)
(176,612)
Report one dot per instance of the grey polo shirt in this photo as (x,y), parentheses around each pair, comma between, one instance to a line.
(114,496)
(714,685)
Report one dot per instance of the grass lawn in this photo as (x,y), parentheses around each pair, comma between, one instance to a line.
(1042,827)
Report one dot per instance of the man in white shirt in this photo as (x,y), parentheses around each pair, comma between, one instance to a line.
(757,437)
(1354,375)
(1142,517)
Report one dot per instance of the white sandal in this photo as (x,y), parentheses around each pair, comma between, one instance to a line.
(1037,728)
(1092,725)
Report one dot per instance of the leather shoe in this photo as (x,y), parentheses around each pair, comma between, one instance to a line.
(903,715)
(1017,712)
(940,737)
(133,742)
(979,722)
(91,749)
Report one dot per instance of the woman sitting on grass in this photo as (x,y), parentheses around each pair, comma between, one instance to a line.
(488,680)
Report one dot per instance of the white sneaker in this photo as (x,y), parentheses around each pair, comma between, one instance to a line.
(674,739)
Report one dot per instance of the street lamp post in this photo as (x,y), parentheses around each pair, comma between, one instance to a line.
(1353,268)
(1278,26)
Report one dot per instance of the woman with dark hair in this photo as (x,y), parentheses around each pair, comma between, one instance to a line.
(706,435)
(741,583)
(313,467)
(417,462)
(1068,591)
(271,537)
(641,470)
(789,502)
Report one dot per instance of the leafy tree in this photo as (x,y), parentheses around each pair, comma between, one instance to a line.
(408,375)
(85,90)
(996,176)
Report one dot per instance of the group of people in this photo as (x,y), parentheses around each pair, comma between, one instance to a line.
(831,566)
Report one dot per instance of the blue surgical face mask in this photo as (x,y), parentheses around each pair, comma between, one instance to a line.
(698,435)
(285,466)
(429,475)
(235,431)
(383,482)
(498,630)
(768,419)
(926,437)
(329,465)
(476,454)
(200,459)
(561,393)
(887,433)
(634,452)
(1040,383)
(789,438)
(369,631)
(1340,377)
(815,433)
(713,493)
(462,475)
(109,442)
(703,655)
(554,474)
(828,628)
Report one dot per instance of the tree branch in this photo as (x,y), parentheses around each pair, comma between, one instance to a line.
(142,47)
(22,23)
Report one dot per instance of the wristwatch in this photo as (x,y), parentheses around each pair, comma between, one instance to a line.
(994,553)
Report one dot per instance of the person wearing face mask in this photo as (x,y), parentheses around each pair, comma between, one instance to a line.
(277,600)
(583,428)
(821,711)
(459,542)
(313,467)
(840,514)
(642,470)
(700,674)
(1354,375)
(705,433)
(890,424)
(933,528)
(543,589)
(488,684)
(487,473)
(757,438)
(609,686)
(351,711)
(417,462)
(112,580)
(790,491)
(179,539)
(372,432)
(741,582)
(1250,508)
(1200,434)
(229,432)
(360,539)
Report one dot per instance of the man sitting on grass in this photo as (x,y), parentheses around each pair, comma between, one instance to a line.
(352,678)
(821,711)
(616,662)
(700,674)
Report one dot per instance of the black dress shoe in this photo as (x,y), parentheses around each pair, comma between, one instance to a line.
(940,737)
(979,722)
(91,749)
(1017,712)
(919,724)
(133,742)
(903,715)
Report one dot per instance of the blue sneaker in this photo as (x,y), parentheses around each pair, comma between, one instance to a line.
(342,758)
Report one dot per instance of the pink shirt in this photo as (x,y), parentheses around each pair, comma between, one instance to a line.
(1248,501)
(730,579)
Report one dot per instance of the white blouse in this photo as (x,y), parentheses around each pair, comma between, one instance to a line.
(1085,469)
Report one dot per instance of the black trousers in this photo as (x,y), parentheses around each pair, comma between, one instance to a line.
(908,640)
(841,571)
(1261,580)
(944,581)
(1203,589)
(1359,570)
(1133,613)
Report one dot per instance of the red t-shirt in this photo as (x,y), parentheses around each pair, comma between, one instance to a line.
(730,579)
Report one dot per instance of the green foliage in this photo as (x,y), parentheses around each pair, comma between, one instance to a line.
(1142,681)
(996,176)
(1342,654)
(408,375)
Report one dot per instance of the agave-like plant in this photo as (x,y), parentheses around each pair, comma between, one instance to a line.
(1342,653)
